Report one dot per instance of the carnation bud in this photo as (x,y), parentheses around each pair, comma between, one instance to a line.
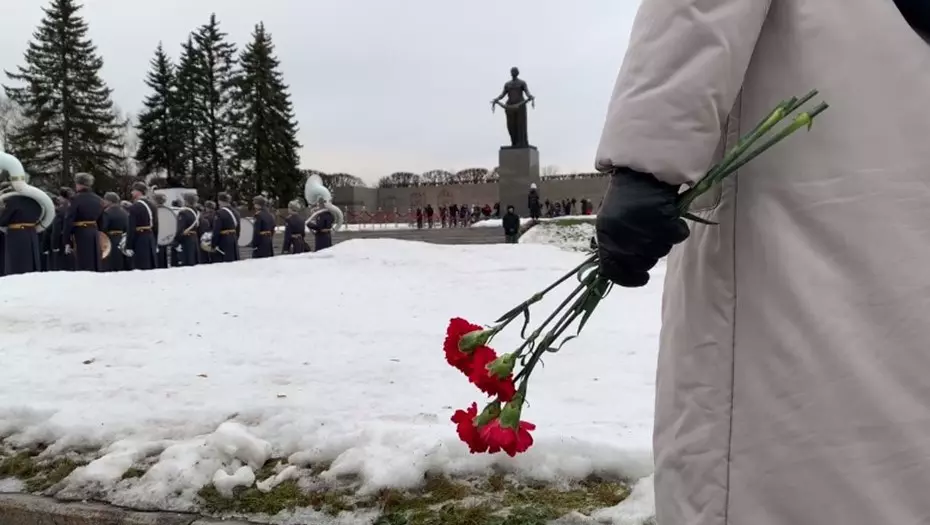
(502,366)
(489,414)
(510,415)
(476,338)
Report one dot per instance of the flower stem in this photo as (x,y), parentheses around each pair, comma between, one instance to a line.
(532,337)
(734,159)
(515,311)
(563,323)
(802,120)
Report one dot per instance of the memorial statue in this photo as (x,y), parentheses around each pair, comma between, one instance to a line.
(515,108)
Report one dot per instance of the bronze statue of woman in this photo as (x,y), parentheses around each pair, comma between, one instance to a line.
(515,108)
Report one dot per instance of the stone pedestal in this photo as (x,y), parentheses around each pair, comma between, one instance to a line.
(517,169)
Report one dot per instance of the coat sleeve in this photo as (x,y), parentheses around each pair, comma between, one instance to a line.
(217,228)
(286,247)
(6,215)
(257,230)
(68,225)
(183,223)
(130,227)
(682,72)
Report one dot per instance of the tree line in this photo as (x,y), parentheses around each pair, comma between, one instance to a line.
(217,119)
(406,179)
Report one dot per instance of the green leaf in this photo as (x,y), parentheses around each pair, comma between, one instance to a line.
(690,216)
(526,322)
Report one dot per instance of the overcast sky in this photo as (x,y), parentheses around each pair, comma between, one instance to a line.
(382,86)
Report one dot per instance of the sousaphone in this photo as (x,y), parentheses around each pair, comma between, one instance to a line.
(315,192)
(20,186)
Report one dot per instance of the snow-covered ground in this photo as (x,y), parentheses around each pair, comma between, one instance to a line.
(574,236)
(354,227)
(330,357)
(498,223)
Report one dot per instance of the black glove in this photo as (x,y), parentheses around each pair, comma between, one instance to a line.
(637,225)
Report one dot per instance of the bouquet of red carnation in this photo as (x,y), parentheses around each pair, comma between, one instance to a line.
(498,426)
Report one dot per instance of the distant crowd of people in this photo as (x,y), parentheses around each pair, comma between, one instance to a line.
(461,216)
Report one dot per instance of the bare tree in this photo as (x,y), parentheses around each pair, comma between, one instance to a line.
(400,179)
(341,180)
(471,176)
(11,118)
(549,171)
(437,177)
(127,169)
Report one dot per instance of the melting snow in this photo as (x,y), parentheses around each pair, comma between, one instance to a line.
(205,373)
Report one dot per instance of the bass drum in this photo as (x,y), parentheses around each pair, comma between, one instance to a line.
(246,231)
(167,225)
(106,247)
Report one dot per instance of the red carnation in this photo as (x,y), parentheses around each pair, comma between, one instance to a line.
(458,327)
(468,432)
(511,440)
(487,382)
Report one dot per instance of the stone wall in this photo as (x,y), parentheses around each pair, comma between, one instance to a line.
(355,199)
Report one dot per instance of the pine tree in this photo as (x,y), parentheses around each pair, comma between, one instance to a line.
(266,145)
(191,118)
(216,90)
(70,122)
(159,138)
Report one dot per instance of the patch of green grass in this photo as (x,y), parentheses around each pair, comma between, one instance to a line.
(38,475)
(586,497)
(51,473)
(133,473)
(286,496)
(268,469)
(21,466)
(498,501)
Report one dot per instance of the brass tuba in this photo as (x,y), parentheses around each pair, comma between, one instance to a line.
(314,192)
(20,186)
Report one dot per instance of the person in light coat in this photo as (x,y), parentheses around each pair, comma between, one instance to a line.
(794,358)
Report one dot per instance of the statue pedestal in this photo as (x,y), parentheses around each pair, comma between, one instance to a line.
(517,169)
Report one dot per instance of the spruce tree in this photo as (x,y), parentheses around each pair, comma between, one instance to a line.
(159,137)
(191,118)
(216,90)
(266,145)
(70,124)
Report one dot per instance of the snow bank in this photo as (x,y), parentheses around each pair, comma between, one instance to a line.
(367,226)
(202,374)
(568,236)
(498,223)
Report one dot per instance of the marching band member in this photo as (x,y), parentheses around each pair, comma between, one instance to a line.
(2,240)
(114,223)
(61,260)
(2,248)
(263,232)
(161,251)
(142,229)
(187,239)
(207,215)
(295,231)
(322,230)
(20,216)
(79,234)
(226,230)
(45,247)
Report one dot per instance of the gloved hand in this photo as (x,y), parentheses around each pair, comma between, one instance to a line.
(68,249)
(130,253)
(637,225)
